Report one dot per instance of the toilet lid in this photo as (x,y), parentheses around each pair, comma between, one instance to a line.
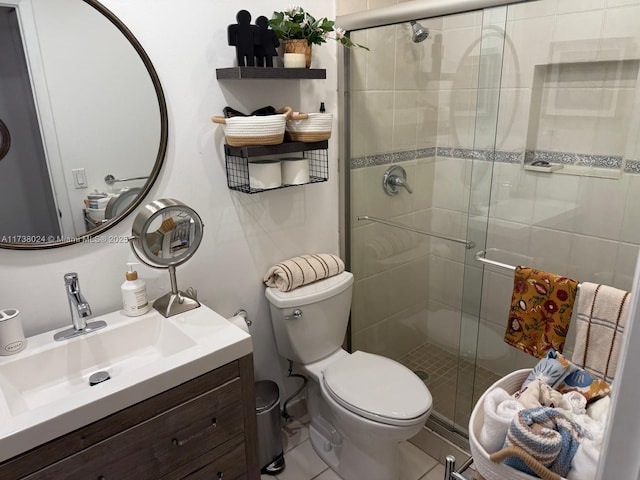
(377,388)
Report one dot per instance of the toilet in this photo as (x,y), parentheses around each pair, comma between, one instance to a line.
(361,405)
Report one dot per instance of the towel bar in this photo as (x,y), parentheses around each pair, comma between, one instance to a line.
(467,244)
(110,179)
(481,255)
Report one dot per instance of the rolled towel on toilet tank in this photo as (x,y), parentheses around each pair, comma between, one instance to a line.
(298,271)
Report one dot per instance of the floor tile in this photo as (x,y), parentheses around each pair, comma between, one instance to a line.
(302,463)
(414,463)
(328,474)
(293,434)
(436,473)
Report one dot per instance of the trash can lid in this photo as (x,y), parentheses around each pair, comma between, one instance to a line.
(267,395)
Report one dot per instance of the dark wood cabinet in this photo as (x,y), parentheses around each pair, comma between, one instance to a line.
(204,428)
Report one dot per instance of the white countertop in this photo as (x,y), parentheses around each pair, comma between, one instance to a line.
(32,416)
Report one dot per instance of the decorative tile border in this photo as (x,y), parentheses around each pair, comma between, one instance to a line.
(564,158)
(632,166)
(395,157)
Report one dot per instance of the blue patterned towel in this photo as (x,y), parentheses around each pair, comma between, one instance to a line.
(547,435)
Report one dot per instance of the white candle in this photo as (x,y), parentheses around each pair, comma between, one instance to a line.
(294,60)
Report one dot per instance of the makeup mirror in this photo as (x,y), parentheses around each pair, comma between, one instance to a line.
(165,234)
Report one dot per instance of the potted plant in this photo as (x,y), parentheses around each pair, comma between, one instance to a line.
(299,30)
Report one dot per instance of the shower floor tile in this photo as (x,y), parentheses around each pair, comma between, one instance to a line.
(445,372)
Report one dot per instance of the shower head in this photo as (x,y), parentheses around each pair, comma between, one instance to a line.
(420,33)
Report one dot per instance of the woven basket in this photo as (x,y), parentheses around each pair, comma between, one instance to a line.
(254,130)
(489,469)
(309,127)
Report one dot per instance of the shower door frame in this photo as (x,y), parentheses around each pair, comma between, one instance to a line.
(621,440)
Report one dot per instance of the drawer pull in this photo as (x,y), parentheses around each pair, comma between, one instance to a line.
(220,475)
(195,436)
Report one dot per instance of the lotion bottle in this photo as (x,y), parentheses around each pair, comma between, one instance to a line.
(134,294)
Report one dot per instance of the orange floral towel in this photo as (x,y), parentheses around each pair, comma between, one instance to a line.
(540,312)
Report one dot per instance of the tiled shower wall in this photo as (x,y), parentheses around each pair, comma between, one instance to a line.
(420,105)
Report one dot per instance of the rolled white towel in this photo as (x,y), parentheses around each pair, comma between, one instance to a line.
(599,410)
(298,271)
(577,401)
(499,410)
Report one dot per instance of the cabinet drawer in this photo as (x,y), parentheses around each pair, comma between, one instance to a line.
(157,446)
(228,463)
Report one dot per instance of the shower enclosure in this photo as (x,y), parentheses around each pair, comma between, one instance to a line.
(518,129)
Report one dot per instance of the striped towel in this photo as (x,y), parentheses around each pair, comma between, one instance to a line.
(298,271)
(547,435)
(602,316)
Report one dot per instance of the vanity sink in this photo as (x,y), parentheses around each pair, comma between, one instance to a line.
(62,369)
(45,390)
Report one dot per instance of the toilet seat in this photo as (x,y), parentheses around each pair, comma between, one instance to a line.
(377,388)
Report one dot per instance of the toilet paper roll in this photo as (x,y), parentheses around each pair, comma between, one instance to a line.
(240,322)
(295,171)
(265,174)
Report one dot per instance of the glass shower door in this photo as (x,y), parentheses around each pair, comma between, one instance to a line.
(428,107)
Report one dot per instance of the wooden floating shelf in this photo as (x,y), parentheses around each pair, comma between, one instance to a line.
(240,73)
(286,147)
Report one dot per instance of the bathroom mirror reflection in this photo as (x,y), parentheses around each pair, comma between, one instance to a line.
(81,101)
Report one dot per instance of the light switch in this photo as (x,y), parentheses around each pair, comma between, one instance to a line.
(79,178)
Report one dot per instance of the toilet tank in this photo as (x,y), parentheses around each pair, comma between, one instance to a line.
(321,328)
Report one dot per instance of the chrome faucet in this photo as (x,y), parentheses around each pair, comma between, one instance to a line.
(80,310)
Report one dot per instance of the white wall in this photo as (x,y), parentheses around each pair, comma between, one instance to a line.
(244,234)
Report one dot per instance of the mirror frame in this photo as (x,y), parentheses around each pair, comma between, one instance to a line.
(162,147)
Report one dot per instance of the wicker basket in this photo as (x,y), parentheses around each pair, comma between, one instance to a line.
(489,469)
(309,127)
(254,130)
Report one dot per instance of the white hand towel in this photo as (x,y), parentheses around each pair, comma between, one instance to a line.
(577,401)
(585,461)
(299,271)
(499,410)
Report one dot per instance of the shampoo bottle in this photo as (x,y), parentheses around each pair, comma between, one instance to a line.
(134,294)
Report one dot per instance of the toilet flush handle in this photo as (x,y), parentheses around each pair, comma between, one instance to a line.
(297,314)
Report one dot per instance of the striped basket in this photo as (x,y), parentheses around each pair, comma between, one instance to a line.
(254,130)
(487,468)
(309,127)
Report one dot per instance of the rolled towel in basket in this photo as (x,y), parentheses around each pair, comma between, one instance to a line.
(547,435)
(298,271)
(499,410)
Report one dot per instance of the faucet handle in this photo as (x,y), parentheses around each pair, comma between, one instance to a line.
(71,277)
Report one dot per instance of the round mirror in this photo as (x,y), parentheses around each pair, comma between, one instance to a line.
(89,132)
(165,234)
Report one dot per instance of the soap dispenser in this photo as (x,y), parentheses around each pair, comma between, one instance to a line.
(134,294)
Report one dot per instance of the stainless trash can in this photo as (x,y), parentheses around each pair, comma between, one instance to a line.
(270,452)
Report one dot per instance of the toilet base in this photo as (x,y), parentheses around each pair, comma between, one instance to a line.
(350,462)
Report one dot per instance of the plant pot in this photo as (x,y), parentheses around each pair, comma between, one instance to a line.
(299,46)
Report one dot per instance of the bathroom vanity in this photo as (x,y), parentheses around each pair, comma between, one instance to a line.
(193,418)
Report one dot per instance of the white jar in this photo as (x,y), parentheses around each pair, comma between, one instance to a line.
(11,334)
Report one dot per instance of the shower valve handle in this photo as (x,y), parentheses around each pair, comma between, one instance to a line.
(395,178)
